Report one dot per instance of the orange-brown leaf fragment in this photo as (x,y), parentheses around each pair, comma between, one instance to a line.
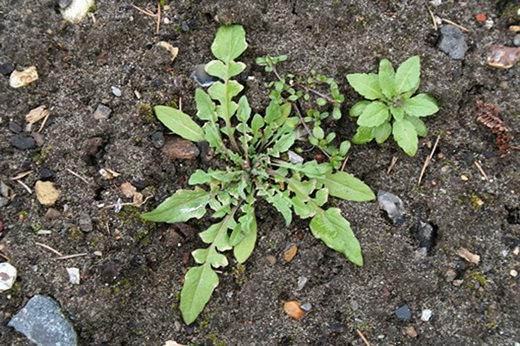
(290,252)
(293,309)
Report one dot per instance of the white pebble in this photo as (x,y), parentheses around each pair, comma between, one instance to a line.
(426,315)
(489,23)
(116,91)
(513,273)
(74,277)
(7,276)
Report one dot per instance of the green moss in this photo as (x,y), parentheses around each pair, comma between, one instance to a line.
(146,112)
(75,233)
(476,202)
(40,156)
(478,277)
(36,227)
(23,215)
(215,340)
(239,273)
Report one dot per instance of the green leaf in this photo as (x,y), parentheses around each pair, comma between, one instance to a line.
(230,43)
(180,207)
(406,136)
(320,101)
(301,208)
(387,78)
(363,135)
(244,110)
(224,92)
(347,187)
(179,123)
(283,144)
(382,132)
(257,123)
(245,247)
(321,197)
(407,75)
(419,125)
(344,147)
(224,71)
(373,115)
(199,284)
(366,84)
(421,105)
(217,234)
(397,112)
(205,106)
(282,203)
(358,108)
(334,230)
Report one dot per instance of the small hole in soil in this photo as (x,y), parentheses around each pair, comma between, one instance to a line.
(98,193)
(513,216)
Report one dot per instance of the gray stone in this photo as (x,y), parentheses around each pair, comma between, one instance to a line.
(64,3)
(42,322)
(302,280)
(202,78)
(157,139)
(453,42)
(403,313)
(14,127)
(426,234)
(23,141)
(516,40)
(102,112)
(6,68)
(393,206)
(85,223)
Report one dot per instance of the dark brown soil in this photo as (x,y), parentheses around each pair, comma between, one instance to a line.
(129,295)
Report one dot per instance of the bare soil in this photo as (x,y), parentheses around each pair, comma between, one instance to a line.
(129,295)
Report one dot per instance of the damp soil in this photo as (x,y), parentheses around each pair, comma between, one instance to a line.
(129,294)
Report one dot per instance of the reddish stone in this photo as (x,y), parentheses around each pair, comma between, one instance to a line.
(177,148)
(481,18)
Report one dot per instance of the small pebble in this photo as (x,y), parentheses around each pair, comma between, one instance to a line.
(436,3)
(178,148)
(426,315)
(457,283)
(306,307)
(516,250)
(14,127)
(271,260)
(411,332)
(85,222)
(74,277)
(393,206)
(403,313)
(489,23)
(46,174)
(464,178)
(6,68)
(157,139)
(202,78)
(23,78)
(513,273)
(516,40)
(98,253)
(23,141)
(102,112)
(450,275)
(453,42)
(302,280)
(116,91)
(7,276)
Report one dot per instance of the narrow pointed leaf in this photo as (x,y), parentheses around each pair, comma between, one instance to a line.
(387,78)
(179,123)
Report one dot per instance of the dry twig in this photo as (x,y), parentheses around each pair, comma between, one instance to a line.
(78,176)
(392,164)
(50,249)
(362,337)
(455,24)
(27,188)
(435,27)
(72,256)
(481,170)
(428,160)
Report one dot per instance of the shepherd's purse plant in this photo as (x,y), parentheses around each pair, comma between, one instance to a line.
(390,107)
(254,149)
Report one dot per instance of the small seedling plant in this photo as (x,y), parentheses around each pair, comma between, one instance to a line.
(390,107)
(254,148)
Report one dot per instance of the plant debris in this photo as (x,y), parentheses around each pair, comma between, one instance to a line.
(502,56)
(36,115)
(488,115)
(468,256)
